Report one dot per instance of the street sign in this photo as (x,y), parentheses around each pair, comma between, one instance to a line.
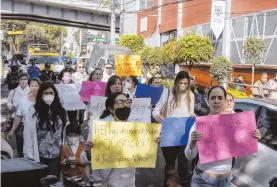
(15,32)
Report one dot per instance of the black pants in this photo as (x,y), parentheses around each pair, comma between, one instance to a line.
(170,156)
(53,165)
(19,140)
(76,116)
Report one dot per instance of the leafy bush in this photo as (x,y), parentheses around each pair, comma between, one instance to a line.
(221,68)
(254,50)
(192,49)
(132,41)
(168,52)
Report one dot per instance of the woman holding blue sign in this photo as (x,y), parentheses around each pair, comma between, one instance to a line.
(178,102)
(217,173)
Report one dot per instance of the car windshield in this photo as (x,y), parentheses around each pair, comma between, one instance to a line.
(47,59)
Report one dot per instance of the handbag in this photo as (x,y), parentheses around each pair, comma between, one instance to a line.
(164,109)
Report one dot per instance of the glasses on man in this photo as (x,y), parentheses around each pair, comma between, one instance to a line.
(121,103)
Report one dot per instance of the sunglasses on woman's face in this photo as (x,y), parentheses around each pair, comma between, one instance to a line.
(81,67)
(120,102)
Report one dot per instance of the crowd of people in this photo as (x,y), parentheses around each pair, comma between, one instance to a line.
(263,88)
(47,133)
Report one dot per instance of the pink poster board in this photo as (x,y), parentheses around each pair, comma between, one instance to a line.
(226,136)
(90,88)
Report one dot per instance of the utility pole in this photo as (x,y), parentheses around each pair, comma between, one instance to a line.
(122,14)
(61,43)
(226,45)
(112,34)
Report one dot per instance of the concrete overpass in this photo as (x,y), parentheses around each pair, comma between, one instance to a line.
(75,13)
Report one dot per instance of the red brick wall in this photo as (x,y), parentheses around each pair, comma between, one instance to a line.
(196,12)
(151,22)
(240,7)
(169,16)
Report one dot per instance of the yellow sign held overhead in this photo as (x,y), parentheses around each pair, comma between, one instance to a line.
(124,144)
(127,65)
(16,32)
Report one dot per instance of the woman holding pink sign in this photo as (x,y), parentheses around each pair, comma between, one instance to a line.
(217,173)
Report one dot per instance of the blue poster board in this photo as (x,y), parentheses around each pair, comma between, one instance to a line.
(145,91)
(175,131)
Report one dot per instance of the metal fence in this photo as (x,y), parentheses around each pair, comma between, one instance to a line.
(261,24)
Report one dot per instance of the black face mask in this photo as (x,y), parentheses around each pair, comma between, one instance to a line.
(123,113)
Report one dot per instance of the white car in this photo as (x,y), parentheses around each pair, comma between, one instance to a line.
(258,170)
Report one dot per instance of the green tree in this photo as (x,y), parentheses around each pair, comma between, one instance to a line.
(254,52)
(132,41)
(47,34)
(9,25)
(168,52)
(221,68)
(192,49)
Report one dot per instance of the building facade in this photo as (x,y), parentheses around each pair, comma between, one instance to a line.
(165,19)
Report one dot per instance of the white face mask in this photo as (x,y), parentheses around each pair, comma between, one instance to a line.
(127,85)
(48,99)
(74,140)
(183,88)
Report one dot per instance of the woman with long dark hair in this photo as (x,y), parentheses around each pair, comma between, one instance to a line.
(178,102)
(43,129)
(117,109)
(217,173)
(114,85)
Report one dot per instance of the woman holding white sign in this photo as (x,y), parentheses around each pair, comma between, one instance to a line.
(117,109)
(217,173)
(178,102)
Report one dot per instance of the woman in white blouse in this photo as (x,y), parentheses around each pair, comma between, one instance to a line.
(25,103)
(217,173)
(14,98)
(178,102)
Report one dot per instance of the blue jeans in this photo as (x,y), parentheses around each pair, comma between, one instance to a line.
(203,180)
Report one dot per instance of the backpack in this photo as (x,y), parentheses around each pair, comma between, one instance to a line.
(13,80)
